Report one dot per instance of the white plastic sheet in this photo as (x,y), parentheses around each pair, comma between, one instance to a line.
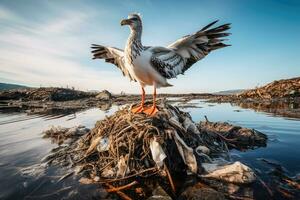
(158,154)
(233,173)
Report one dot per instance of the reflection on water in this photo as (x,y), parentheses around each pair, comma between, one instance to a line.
(283,109)
(284,133)
(21,145)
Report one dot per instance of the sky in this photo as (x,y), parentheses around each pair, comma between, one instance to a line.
(47,43)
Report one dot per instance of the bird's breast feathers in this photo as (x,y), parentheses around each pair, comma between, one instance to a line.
(142,69)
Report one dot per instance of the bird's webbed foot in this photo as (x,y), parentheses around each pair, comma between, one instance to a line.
(138,109)
(151,111)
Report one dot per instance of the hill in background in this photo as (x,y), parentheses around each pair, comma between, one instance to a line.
(8,86)
(230,92)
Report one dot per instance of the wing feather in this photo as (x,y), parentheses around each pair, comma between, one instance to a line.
(111,55)
(167,62)
(194,47)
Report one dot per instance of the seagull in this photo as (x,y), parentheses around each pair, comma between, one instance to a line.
(154,65)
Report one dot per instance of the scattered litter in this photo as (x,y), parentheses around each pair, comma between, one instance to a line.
(202,149)
(158,154)
(122,167)
(233,173)
(59,135)
(236,136)
(36,170)
(186,153)
(103,144)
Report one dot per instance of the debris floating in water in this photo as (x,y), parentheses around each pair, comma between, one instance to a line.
(236,136)
(60,134)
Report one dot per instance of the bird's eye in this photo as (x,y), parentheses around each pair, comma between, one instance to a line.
(134,19)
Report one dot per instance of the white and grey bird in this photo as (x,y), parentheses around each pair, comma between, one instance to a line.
(153,65)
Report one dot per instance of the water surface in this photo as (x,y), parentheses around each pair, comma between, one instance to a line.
(21,145)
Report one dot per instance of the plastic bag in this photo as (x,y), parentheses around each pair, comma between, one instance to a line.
(158,154)
(233,173)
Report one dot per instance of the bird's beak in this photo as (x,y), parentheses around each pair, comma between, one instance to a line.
(125,22)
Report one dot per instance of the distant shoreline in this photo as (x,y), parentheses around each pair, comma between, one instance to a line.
(283,95)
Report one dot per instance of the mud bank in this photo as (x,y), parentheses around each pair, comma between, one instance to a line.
(67,101)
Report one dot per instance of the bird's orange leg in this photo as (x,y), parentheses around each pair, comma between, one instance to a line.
(140,108)
(153,109)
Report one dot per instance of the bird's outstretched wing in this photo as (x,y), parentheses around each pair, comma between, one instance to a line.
(183,53)
(112,55)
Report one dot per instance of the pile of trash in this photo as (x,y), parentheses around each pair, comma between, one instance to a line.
(44,94)
(276,89)
(236,137)
(125,146)
(285,90)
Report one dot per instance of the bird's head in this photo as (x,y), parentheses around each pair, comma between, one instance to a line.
(133,20)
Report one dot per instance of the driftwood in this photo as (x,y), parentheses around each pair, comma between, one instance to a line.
(121,194)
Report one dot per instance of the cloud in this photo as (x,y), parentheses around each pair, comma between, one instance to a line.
(51,53)
(6,14)
(40,69)
(51,45)
(70,21)
(54,51)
